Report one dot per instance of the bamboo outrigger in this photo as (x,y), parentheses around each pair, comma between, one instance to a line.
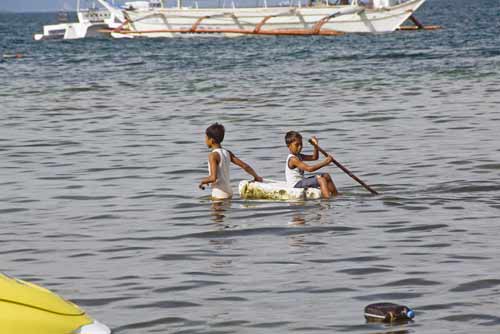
(418,25)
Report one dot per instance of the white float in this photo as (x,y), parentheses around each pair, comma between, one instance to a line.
(275,191)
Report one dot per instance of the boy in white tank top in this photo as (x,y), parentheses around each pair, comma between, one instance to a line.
(295,167)
(218,164)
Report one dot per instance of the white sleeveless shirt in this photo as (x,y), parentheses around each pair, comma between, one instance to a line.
(293,175)
(222,187)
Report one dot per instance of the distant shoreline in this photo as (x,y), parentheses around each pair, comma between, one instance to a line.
(35,12)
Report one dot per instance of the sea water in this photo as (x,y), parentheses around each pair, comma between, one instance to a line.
(102,148)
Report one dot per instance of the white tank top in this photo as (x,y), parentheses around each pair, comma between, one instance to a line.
(293,175)
(222,187)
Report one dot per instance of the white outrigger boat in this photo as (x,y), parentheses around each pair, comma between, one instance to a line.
(314,18)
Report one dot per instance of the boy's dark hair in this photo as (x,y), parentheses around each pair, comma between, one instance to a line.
(216,132)
(291,136)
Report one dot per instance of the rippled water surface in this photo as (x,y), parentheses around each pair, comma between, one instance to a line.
(102,147)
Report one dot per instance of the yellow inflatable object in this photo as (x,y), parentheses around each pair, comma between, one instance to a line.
(26,308)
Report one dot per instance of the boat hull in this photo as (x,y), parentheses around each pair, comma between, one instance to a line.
(321,20)
(71,31)
(90,24)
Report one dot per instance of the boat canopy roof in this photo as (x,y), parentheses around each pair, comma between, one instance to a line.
(150,4)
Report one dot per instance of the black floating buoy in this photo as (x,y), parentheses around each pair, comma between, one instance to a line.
(388,312)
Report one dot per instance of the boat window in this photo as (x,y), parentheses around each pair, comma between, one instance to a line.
(57,32)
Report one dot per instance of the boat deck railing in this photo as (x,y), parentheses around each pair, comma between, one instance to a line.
(95,15)
(240,3)
(153,4)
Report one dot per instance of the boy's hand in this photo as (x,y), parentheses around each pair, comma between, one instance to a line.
(258,179)
(329,158)
(314,140)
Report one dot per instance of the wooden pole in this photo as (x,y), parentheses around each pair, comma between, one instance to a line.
(347,171)
(417,22)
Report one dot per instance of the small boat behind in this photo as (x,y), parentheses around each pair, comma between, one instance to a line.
(92,22)
(275,191)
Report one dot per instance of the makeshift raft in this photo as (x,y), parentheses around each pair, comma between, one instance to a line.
(275,191)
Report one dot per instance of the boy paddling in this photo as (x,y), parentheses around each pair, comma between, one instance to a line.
(295,167)
(218,164)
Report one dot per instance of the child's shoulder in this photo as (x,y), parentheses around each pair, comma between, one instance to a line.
(213,155)
(292,160)
(222,151)
(293,156)
(228,151)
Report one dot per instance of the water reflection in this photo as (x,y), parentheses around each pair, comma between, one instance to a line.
(317,212)
(401,331)
(219,209)
(298,219)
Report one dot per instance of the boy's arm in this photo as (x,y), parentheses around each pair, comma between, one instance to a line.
(235,160)
(213,161)
(315,154)
(296,163)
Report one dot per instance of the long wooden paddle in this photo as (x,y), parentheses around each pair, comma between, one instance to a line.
(347,171)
